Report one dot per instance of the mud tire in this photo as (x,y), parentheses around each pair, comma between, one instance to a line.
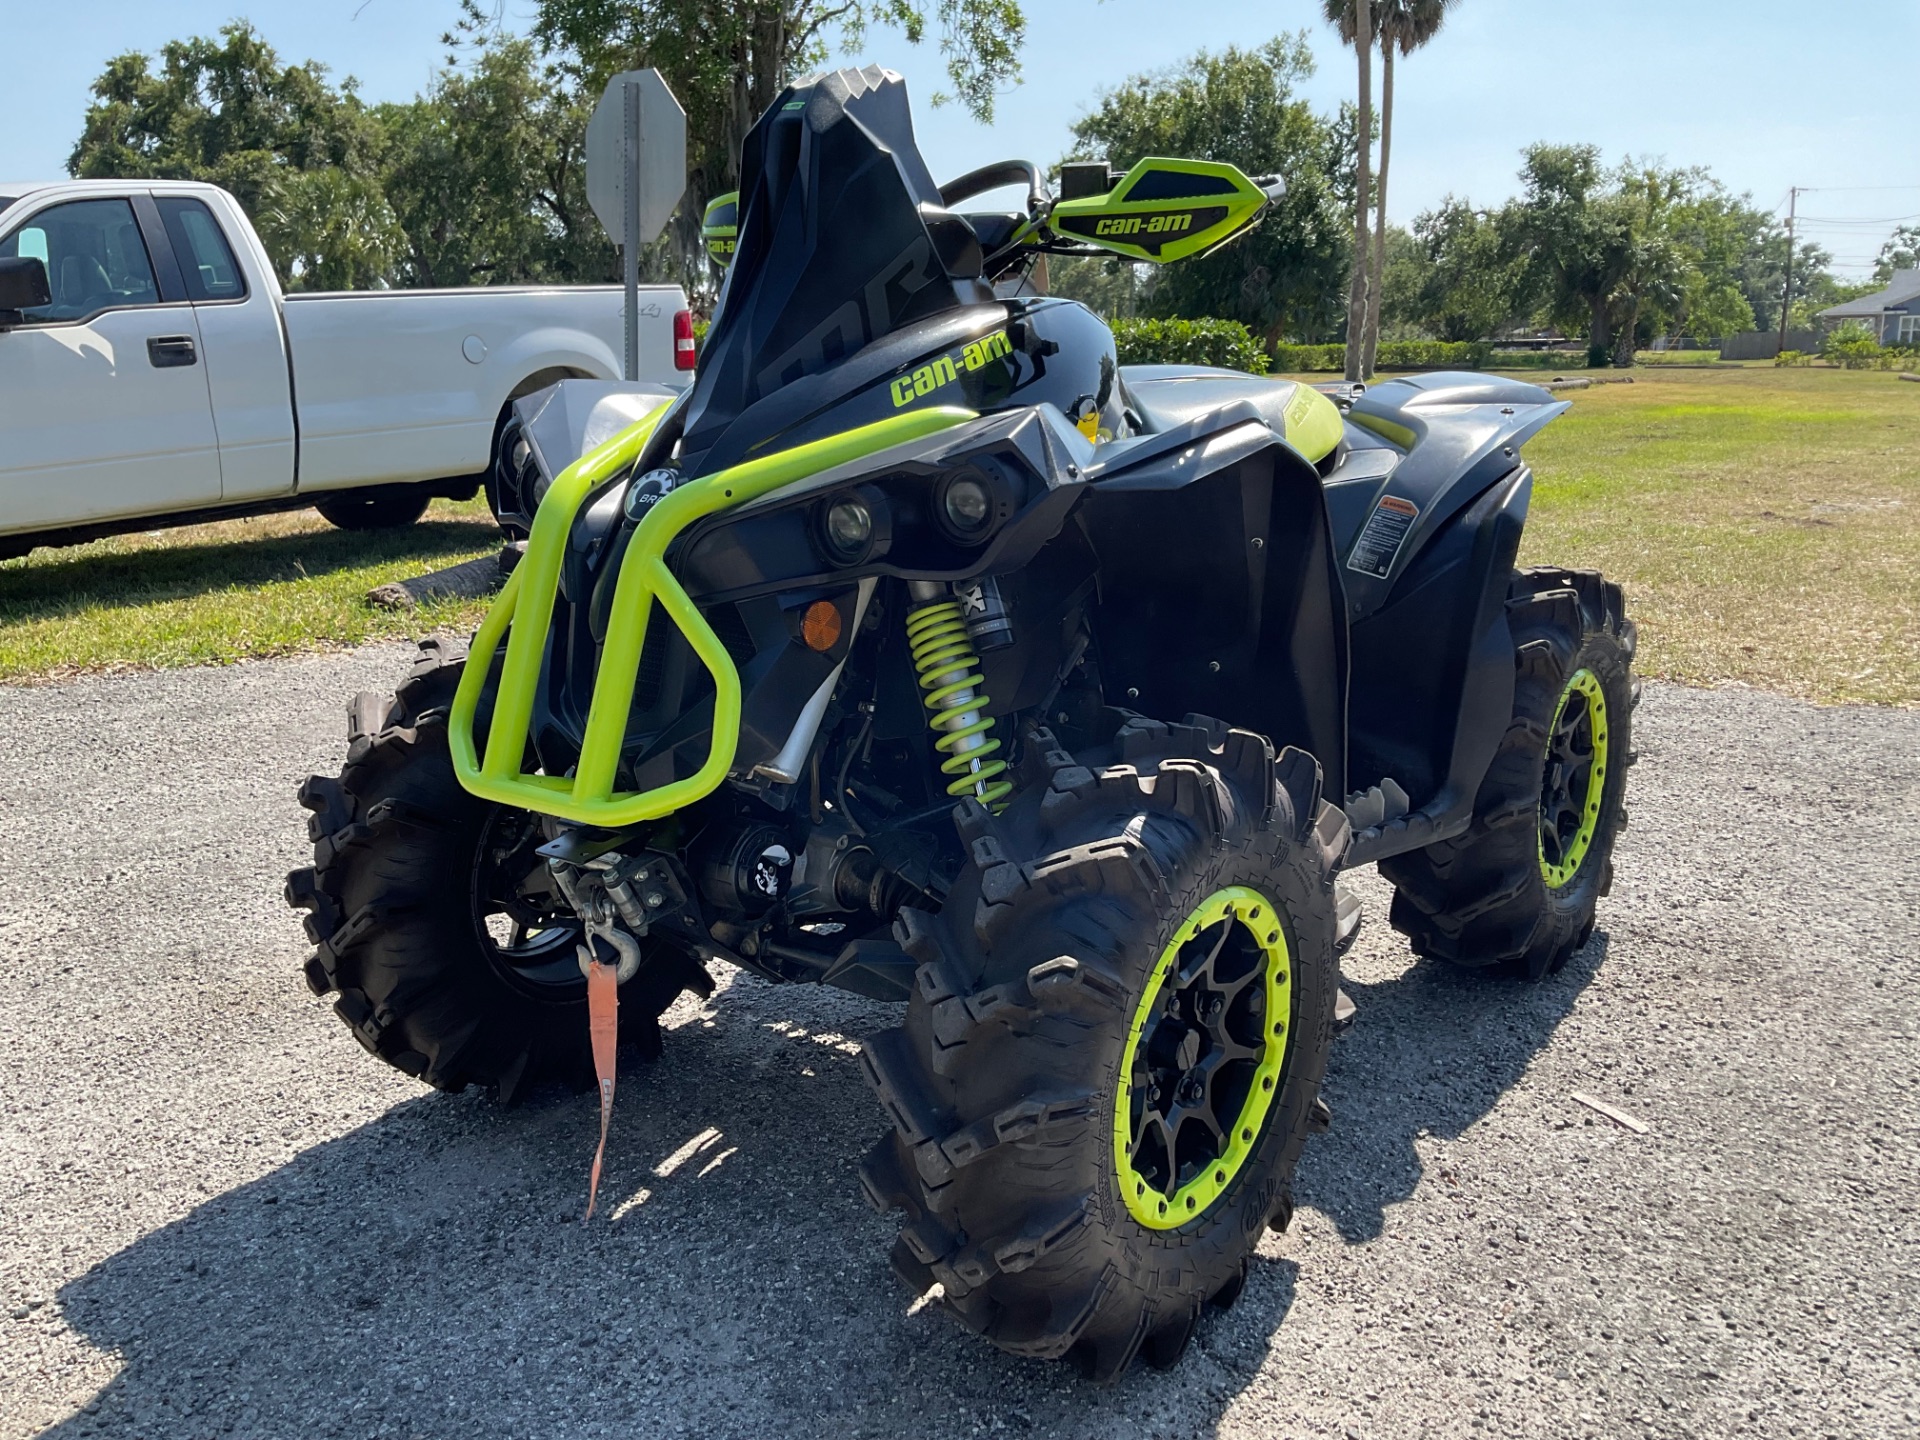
(390,909)
(1001,1084)
(1480,900)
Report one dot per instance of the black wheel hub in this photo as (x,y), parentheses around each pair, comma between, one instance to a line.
(1196,1064)
(524,923)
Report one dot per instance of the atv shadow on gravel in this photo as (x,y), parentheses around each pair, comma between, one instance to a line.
(1431,1053)
(426,1274)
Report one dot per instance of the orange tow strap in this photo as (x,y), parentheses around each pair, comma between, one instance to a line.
(603,1025)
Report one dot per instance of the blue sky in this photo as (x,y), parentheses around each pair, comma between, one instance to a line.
(1768,93)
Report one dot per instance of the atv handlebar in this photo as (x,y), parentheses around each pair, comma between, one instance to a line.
(992,177)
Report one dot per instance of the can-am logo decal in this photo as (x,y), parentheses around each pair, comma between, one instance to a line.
(918,384)
(1145,224)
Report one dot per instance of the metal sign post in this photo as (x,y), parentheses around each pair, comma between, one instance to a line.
(636,173)
(630,251)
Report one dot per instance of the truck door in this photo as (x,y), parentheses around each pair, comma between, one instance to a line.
(244,352)
(104,406)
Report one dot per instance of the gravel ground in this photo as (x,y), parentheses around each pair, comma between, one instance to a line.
(217,1216)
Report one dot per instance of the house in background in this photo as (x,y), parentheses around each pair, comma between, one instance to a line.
(1893,314)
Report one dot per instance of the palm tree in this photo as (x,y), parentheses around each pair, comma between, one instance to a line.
(1355,21)
(1402,25)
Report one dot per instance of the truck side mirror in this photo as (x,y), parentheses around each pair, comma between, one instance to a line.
(23,286)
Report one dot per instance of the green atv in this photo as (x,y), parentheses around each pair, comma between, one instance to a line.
(924,650)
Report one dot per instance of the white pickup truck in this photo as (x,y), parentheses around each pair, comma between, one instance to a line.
(152,372)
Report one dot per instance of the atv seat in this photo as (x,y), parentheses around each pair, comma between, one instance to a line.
(1163,396)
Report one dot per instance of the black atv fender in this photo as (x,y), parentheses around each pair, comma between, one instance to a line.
(1432,444)
(1218,592)
(1428,508)
(1432,683)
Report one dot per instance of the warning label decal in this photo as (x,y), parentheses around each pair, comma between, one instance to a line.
(1379,544)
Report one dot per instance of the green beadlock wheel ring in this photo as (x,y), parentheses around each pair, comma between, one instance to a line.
(1212,1028)
(1576,743)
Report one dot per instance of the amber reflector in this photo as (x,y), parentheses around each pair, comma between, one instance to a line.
(821,626)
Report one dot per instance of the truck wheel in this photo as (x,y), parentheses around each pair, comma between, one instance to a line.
(507,475)
(1516,892)
(1113,1053)
(379,507)
(436,925)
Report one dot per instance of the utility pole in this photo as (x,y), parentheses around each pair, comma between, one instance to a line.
(1786,298)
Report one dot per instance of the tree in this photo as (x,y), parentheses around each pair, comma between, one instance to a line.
(1403,26)
(727,59)
(222,110)
(1356,22)
(1239,106)
(1901,252)
(1715,231)
(1600,243)
(1403,284)
(1605,246)
(1624,253)
(1573,242)
(486,173)
(1655,268)
(1473,285)
(328,230)
(1763,273)
(478,181)
(1112,287)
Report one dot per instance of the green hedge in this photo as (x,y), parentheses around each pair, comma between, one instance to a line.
(1560,360)
(1226,343)
(1303,359)
(1392,355)
(1853,347)
(1433,355)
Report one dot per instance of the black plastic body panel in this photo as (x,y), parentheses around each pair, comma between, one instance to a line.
(1218,592)
(1432,686)
(1166,396)
(1432,442)
(1059,353)
(1032,468)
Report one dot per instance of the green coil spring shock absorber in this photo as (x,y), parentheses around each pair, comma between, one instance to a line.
(949,673)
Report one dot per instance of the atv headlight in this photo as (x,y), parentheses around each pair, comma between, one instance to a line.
(967,504)
(846,530)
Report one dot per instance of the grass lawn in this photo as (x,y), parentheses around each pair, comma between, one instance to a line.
(1766,524)
(237,590)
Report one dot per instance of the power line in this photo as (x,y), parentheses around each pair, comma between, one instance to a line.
(1848,220)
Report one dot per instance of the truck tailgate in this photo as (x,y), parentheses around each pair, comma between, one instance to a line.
(405,385)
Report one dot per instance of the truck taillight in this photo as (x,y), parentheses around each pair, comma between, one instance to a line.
(685,353)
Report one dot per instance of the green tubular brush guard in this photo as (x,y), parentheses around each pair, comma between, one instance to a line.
(522,615)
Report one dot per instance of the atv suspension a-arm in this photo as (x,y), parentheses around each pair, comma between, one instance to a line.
(522,615)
